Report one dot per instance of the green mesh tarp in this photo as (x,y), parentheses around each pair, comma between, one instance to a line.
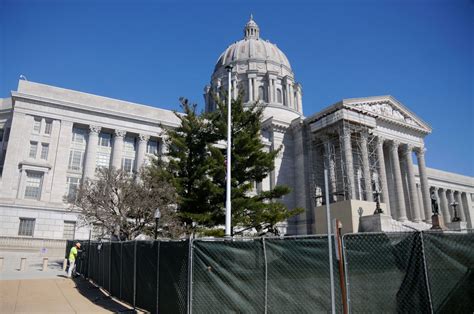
(450,265)
(228,277)
(116,269)
(385,273)
(299,275)
(147,275)
(173,277)
(127,292)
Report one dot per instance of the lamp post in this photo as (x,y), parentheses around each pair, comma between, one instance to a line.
(228,203)
(157,219)
(455,218)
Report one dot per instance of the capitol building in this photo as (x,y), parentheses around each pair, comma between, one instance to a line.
(373,149)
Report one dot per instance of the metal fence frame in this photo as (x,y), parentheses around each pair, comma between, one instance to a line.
(91,269)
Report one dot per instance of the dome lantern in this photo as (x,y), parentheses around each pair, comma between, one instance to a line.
(251,29)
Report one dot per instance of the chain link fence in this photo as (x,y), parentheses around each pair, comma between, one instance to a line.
(422,272)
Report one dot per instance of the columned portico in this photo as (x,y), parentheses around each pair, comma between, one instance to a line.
(91,152)
(117,149)
(425,192)
(460,207)
(397,174)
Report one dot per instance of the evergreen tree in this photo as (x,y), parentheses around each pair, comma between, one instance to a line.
(189,168)
(250,164)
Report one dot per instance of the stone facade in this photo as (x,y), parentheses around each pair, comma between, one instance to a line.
(52,138)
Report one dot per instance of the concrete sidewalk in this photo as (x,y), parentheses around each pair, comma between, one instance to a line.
(58,295)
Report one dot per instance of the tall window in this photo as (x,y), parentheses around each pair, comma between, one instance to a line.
(33,185)
(71,188)
(152,147)
(127,165)
(78,135)
(33,149)
(37,125)
(129,144)
(44,151)
(48,127)
(279,97)
(103,160)
(69,230)
(105,139)
(75,160)
(27,227)
(261,93)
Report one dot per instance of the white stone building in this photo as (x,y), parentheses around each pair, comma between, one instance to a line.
(52,137)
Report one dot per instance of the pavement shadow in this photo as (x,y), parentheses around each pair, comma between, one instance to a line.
(97,296)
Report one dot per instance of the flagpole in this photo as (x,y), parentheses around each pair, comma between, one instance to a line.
(228,203)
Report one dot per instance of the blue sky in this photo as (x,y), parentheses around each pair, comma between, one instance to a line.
(153,52)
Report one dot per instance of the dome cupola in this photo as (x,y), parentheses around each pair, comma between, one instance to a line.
(261,71)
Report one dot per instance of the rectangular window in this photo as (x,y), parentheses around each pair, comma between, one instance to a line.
(44,151)
(33,149)
(48,127)
(103,160)
(78,135)
(69,230)
(127,165)
(33,185)
(105,139)
(27,227)
(37,125)
(129,144)
(72,188)
(152,147)
(75,160)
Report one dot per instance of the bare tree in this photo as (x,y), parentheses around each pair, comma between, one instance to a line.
(124,205)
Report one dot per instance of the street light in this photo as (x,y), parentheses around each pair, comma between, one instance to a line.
(228,201)
(157,219)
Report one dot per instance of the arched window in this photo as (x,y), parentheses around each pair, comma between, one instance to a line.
(261,93)
(279,98)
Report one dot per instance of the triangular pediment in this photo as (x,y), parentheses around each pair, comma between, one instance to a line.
(388,108)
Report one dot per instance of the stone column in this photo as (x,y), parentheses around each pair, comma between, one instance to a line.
(420,154)
(443,205)
(460,207)
(91,151)
(420,201)
(397,174)
(250,89)
(141,151)
(347,145)
(467,202)
(412,184)
(291,102)
(117,149)
(383,174)
(364,136)
(329,162)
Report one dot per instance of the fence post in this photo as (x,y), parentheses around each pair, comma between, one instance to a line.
(158,276)
(1,263)
(89,252)
(45,264)
(426,270)
(134,272)
(121,262)
(266,272)
(346,274)
(190,276)
(110,268)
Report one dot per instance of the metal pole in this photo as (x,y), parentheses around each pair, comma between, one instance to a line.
(228,203)
(328,216)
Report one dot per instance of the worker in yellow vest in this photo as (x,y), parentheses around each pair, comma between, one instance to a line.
(72,258)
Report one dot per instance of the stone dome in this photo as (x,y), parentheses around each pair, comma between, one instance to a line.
(261,72)
(254,49)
